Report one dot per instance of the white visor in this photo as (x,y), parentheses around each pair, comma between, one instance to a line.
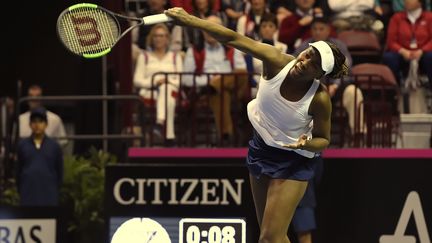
(326,53)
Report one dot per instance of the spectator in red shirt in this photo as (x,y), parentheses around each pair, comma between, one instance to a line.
(188,5)
(201,9)
(295,28)
(248,24)
(409,38)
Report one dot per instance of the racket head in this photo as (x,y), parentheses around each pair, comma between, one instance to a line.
(88,30)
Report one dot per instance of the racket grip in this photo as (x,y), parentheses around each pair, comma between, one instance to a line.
(156,18)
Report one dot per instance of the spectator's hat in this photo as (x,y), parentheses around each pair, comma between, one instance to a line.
(40,113)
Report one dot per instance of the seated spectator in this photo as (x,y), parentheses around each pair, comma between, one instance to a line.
(399,5)
(157,7)
(356,15)
(248,23)
(212,57)
(409,40)
(295,28)
(267,29)
(202,9)
(281,8)
(55,127)
(234,9)
(321,30)
(187,5)
(164,89)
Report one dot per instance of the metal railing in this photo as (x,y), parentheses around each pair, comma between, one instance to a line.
(104,136)
(191,90)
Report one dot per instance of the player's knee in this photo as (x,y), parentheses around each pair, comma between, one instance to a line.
(269,236)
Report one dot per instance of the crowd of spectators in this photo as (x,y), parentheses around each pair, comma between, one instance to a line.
(403,29)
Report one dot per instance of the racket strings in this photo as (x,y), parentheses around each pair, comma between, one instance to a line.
(88,30)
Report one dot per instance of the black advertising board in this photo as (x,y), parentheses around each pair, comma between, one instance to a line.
(186,202)
(365,195)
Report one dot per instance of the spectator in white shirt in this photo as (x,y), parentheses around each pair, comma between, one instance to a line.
(357,15)
(55,127)
(159,87)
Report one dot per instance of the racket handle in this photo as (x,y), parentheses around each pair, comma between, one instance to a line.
(156,18)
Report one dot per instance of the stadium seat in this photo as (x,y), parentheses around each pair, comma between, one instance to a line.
(381,114)
(364,46)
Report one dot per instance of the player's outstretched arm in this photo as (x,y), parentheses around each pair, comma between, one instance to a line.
(267,53)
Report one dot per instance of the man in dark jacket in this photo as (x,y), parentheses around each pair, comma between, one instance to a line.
(40,165)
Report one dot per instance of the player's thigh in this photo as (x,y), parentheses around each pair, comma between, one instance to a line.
(259,193)
(283,197)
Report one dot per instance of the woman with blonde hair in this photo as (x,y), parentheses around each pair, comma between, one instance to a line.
(163,88)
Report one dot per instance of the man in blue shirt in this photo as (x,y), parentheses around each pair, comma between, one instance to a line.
(40,165)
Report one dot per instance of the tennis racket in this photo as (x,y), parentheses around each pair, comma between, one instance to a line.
(91,31)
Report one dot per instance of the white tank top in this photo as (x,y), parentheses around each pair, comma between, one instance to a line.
(277,120)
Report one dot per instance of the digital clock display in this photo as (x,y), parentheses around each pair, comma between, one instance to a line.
(211,230)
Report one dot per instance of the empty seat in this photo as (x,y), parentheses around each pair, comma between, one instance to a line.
(381,115)
(364,46)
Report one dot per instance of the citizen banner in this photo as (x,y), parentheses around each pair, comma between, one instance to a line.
(206,200)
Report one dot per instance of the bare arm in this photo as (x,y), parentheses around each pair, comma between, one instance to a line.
(272,58)
(320,109)
(321,112)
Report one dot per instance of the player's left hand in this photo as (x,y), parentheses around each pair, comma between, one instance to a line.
(301,142)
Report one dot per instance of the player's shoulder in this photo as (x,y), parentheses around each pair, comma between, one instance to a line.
(288,57)
(321,97)
(282,59)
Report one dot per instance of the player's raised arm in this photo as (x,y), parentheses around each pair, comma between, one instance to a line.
(267,53)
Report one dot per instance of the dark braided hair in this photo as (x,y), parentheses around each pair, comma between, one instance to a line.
(340,68)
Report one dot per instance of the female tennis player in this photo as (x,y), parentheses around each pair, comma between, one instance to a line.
(291,121)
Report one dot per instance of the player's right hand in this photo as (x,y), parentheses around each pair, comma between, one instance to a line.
(180,16)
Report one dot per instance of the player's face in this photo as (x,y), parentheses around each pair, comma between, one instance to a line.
(308,64)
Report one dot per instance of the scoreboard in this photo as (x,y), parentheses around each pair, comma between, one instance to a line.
(180,202)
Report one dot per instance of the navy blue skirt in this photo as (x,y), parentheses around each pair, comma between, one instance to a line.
(278,163)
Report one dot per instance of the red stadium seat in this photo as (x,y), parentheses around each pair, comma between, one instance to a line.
(364,46)
(381,98)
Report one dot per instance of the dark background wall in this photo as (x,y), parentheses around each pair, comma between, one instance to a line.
(31,52)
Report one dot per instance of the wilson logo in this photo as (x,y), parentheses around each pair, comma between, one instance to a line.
(86,30)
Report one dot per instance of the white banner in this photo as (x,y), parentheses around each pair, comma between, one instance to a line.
(28,230)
